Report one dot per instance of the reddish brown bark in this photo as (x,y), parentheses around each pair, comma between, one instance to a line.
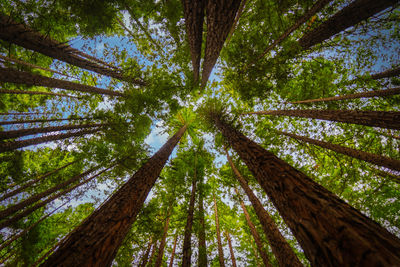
(358,154)
(220,17)
(219,241)
(331,232)
(382,119)
(145,257)
(281,249)
(171,261)
(96,241)
(350,15)
(187,243)
(384,174)
(163,242)
(228,237)
(236,21)
(23,92)
(41,120)
(22,77)
(202,259)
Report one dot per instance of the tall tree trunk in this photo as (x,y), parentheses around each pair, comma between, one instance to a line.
(358,154)
(22,77)
(187,243)
(202,259)
(382,119)
(281,249)
(386,74)
(171,261)
(32,182)
(228,237)
(31,131)
(26,37)
(153,253)
(254,233)
(24,92)
(42,120)
(96,241)
(163,240)
(220,17)
(236,21)
(10,146)
(377,93)
(145,257)
(193,11)
(219,241)
(350,15)
(331,232)
(25,113)
(391,176)
(255,253)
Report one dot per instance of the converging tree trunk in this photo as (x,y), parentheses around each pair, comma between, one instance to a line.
(41,120)
(219,241)
(382,119)
(391,176)
(171,261)
(202,259)
(145,257)
(96,241)
(386,74)
(163,240)
(358,154)
(280,247)
(220,17)
(24,92)
(228,237)
(331,232)
(153,253)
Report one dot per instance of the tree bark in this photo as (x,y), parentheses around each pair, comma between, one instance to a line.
(42,120)
(331,232)
(22,77)
(254,233)
(153,253)
(171,261)
(281,249)
(236,21)
(377,93)
(385,174)
(163,241)
(358,154)
(145,257)
(193,11)
(350,15)
(96,241)
(26,37)
(219,241)
(220,17)
(382,119)
(228,237)
(386,74)
(24,92)
(202,259)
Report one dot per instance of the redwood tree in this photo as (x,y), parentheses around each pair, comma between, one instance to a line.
(219,241)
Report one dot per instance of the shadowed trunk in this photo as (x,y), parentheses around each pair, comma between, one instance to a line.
(358,154)
(153,253)
(331,232)
(163,240)
(24,92)
(220,249)
(220,17)
(255,253)
(236,21)
(386,74)
(22,77)
(377,93)
(281,249)
(145,257)
(385,174)
(382,119)
(350,15)
(171,261)
(228,237)
(193,11)
(42,120)
(254,233)
(95,242)
(202,259)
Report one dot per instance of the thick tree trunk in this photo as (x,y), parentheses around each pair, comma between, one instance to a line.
(236,21)
(31,131)
(42,120)
(358,154)
(382,119)
(219,241)
(228,237)
(202,259)
(193,11)
(187,241)
(163,241)
(26,37)
(10,146)
(171,261)
(22,77)
(145,257)
(377,93)
(96,241)
(254,233)
(350,15)
(331,232)
(24,92)
(32,182)
(281,249)
(220,17)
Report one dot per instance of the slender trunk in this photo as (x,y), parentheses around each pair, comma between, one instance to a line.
(187,243)
(281,249)
(377,93)
(331,232)
(358,154)
(24,92)
(236,21)
(193,11)
(386,74)
(3,260)
(125,28)
(393,177)
(96,241)
(163,241)
(51,250)
(202,259)
(219,241)
(10,146)
(255,253)
(26,37)
(153,253)
(382,119)
(220,17)
(28,211)
(171,261)
(42,120)
(254,233)
(29,201)
(145,257)
(22,77)
(350,15)
(32,182)
(228,237)
(25,113)
(31,131)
